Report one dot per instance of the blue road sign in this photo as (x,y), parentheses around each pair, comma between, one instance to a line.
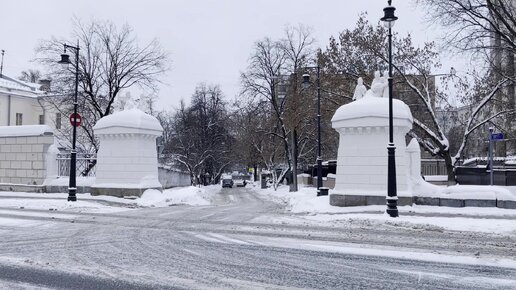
(497,136)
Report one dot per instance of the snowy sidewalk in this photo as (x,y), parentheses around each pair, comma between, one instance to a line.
(306,206)
(302,207)
(108,204)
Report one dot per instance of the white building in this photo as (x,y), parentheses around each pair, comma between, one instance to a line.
(23,103)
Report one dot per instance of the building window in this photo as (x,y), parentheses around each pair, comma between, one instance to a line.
(41,119)
(58,120)
(19,119)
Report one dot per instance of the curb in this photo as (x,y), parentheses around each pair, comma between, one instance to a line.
(344,200)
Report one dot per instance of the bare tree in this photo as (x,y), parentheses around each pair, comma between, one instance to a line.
(476,24)
(271,81)
(260,82)
(244,121)
(300,109)
(415,84)
(30,75)
(485,29)
(199,139)
(111,60)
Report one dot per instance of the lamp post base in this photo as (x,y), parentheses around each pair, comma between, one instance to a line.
(322,191)
(72,194)
(392,198)
(392,206)
(72,185)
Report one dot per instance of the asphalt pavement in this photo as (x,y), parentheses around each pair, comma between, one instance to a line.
(232,245)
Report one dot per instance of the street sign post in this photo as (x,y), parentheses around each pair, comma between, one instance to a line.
(75,120)
(493,137)
(491,140)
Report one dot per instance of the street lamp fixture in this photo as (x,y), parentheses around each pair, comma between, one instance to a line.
(392,198)
(306,83)
(65,59)
(389,18)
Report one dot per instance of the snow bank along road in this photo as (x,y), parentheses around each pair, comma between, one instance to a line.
(236,243)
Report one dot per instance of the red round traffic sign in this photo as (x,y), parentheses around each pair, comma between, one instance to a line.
(75,120)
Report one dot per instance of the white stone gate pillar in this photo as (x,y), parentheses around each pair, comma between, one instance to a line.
(363,127)
(127,162)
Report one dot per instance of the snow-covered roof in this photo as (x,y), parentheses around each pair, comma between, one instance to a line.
(372,107)
(509,160)
(371,112)
(25,130)
(16,87)
(133,118)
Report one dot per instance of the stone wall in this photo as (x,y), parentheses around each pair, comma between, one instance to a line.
(172,178)
(22,155)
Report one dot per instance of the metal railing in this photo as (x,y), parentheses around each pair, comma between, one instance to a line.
(433,167)
(85,164)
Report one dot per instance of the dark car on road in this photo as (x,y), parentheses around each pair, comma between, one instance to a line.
(226,182)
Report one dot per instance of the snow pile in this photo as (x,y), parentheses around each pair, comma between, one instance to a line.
(316,210)
(425,189)
(58,202)
(303,201)
(64,181)
(186,195)
(106,204)
(483,161)
(442,178)
(307,201)
(469,223)
(477,192)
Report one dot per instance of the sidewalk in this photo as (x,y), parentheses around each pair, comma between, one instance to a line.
(306,206)
(300,208)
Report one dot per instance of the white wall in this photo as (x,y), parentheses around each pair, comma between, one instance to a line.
(362,159)
(29,107)
(31,110)
(23,155)
(170,178)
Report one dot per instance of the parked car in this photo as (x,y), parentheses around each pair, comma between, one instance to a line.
(227,182)
(240,182)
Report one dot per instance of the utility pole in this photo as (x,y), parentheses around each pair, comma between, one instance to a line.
(2,64)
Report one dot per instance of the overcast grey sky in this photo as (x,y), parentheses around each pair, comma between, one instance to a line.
(208,40)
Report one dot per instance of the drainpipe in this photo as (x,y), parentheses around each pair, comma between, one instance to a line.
(9,110)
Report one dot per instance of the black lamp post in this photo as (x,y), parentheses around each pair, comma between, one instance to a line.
(65,59)
(306,82)
(392,199)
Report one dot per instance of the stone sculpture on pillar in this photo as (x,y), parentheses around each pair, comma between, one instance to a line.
(363,127)
(360,90)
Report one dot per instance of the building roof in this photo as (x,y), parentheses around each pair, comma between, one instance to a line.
(10,86)
(26,130)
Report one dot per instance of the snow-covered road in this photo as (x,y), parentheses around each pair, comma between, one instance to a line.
(241,241)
